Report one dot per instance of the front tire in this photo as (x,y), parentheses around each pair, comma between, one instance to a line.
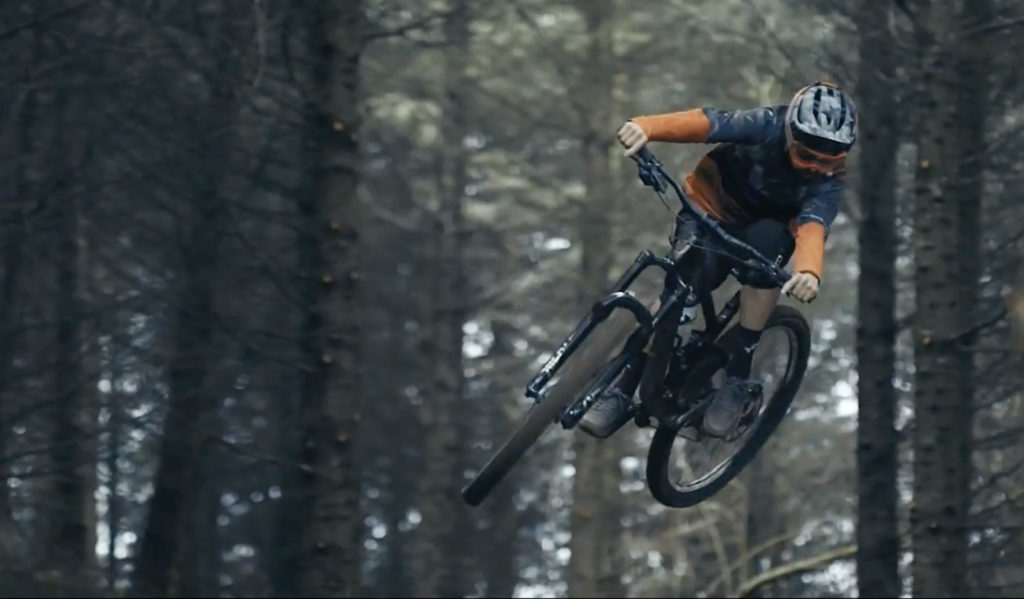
(595,351)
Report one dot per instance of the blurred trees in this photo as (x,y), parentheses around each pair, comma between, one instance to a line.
(273,276)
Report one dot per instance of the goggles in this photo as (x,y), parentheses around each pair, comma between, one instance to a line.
(805,158)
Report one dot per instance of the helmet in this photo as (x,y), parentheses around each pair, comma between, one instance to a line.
(821,127)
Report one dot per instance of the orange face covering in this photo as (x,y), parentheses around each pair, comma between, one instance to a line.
(805,158)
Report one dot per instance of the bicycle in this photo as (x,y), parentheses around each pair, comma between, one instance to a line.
(637,345)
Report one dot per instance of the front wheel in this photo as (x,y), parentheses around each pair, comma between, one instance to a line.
(701,468)
(594,354)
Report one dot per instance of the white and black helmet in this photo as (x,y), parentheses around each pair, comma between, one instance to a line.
(823,118)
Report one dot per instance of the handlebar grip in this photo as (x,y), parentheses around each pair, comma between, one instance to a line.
(644,154)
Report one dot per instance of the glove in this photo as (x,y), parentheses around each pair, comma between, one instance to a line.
(803,286)
(632,136)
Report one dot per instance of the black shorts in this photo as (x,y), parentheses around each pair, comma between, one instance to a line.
(770,237)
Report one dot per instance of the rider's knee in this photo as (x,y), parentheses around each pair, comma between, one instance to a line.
(774,241)
(772,238)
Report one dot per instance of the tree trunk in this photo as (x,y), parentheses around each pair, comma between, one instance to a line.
(199,558)
(190,404)
(972,102)
(70,543)
(329,486)
(498,547)
(25,117)
(594,565)
(764,521)
(180,447)
(446,524)
(1015,305)
(70,529)
(942,426)
(12,270)
(14,559)
(878,543)
(179,545)
(114,505)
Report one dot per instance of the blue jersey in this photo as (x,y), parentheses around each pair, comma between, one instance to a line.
(748,175)
(757,174)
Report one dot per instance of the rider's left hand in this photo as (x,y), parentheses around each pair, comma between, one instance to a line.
(803,286)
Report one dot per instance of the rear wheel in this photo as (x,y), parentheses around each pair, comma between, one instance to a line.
(700,468)
(582,366)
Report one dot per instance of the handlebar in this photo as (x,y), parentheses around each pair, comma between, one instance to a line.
(653,175)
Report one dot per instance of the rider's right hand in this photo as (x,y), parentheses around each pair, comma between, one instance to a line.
(632,136)
(803,286)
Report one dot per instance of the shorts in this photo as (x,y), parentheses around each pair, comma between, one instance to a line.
(771,238)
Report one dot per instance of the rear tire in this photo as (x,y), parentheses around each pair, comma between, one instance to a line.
(660,452)
(574,376)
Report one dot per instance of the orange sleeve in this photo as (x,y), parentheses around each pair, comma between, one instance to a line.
(809,253)
(685,126)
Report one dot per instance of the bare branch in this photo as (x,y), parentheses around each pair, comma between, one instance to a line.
(814,562)
(993,27)
(747,556)
(420,23)
(36,22)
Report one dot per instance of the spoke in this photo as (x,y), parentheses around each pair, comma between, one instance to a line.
(771,363)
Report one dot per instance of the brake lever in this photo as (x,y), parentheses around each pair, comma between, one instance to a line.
(648,165)
(651,179)
(781,276)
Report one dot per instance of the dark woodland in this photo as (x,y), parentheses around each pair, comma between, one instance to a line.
(274,276)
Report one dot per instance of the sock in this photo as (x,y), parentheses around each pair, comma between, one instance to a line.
(739,364)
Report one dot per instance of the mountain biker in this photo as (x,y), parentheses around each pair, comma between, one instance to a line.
(773,181)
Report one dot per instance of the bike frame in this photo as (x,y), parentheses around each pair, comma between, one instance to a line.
(678,286)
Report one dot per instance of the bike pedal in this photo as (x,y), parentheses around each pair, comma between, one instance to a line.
(597,422)
(608,430)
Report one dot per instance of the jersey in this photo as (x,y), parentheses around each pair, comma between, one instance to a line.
(748,176)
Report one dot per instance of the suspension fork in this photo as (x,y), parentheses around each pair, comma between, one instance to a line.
(617,298)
